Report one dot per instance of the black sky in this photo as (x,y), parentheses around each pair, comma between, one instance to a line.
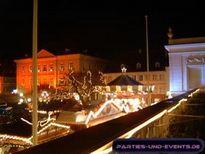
(102,28)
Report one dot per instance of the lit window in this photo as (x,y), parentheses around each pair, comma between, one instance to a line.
(129,88)
(118,88)
(51,68)
(61,67)
(71,66)
(39,68)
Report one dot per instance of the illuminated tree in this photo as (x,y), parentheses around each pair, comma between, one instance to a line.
(82,86)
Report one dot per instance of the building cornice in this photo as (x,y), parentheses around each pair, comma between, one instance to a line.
(185,47)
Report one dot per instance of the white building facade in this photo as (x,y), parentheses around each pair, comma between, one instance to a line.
(186,64)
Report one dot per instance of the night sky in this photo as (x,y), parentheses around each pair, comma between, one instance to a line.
(100,28)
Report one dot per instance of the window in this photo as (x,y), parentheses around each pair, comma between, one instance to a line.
(140,77)
(51,82)
(51,68)
(44,67)
(157,65)
(154,77)
(23,69)
(61,67)
(161,77)
(71,66)
(30,68)
(138,65)
(39,68)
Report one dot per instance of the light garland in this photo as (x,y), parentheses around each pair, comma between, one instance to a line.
(191,95)
(28,140)
(12,137)
(122,107)
(105,149)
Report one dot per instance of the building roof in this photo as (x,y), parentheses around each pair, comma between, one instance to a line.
(187,40)
(124,80)
(44,54)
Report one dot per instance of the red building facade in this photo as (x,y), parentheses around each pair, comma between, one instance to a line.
(51,68)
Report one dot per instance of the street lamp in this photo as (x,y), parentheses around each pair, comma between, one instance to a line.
(34,75)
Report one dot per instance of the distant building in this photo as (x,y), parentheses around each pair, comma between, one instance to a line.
(157,78)
(7,76)
(186,64)
(52,68)
(135,64)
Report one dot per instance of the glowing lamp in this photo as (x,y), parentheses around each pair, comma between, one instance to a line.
(77,97)
(80,117)
(20,100)
(29,99)
(15,91)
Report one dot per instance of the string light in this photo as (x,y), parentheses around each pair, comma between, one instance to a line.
(108,147)
(121,107)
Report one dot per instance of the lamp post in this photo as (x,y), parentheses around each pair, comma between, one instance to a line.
(34,75)
(147,44)
(147,59)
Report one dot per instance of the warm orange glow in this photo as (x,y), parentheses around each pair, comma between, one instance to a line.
(51,68)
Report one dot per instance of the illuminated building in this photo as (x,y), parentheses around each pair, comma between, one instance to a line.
(135,63)
(157,78)
(185,71)
(186,64)
(52,68)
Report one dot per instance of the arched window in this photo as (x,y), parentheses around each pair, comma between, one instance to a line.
(138,65)
(157,64)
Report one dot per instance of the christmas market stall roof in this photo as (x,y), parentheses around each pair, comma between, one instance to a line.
(124,80)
